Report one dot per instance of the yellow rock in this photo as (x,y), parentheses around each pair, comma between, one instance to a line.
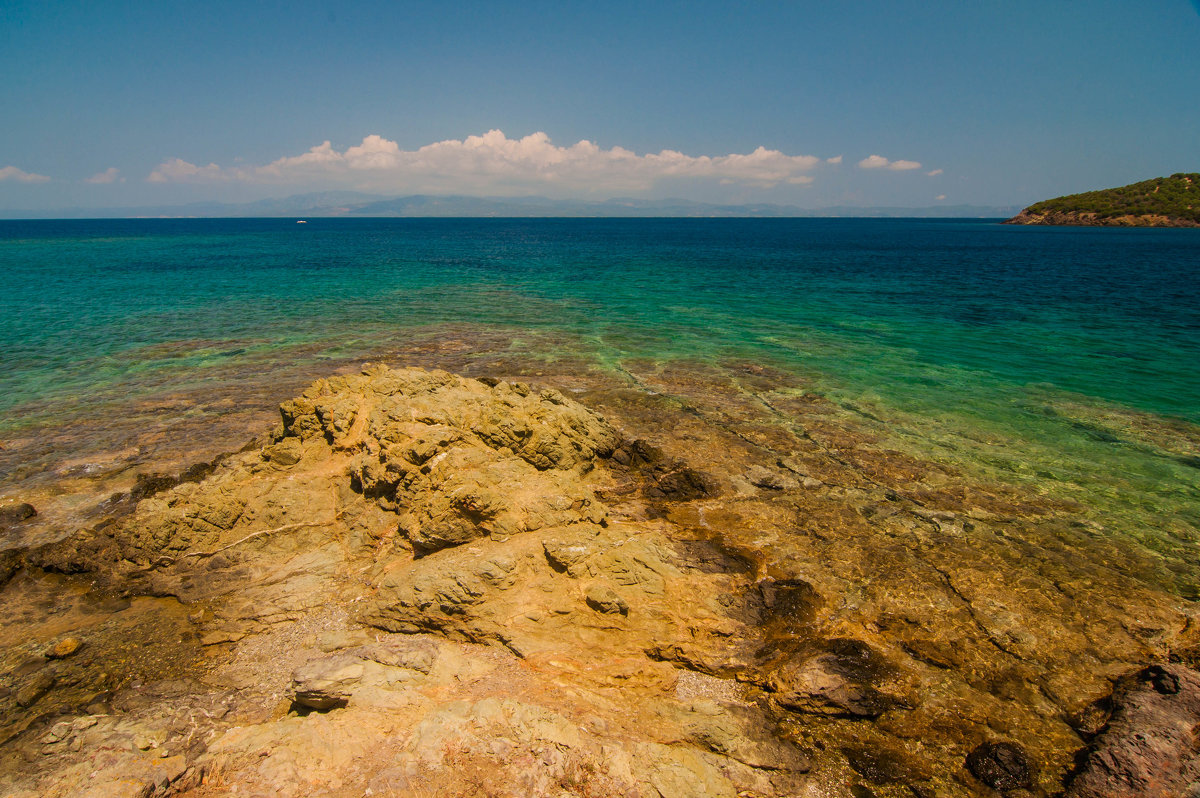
(64,648)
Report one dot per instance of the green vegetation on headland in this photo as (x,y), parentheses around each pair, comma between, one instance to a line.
(1162,202)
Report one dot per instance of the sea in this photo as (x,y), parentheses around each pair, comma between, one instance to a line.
(1063,360)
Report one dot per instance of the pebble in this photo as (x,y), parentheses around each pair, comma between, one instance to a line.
(64,648)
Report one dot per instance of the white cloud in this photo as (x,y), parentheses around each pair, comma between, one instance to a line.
(176,170)
(940,197)
(934,172)
(13,173)
(109,175)
(835,160)
(495,163)
(879,162)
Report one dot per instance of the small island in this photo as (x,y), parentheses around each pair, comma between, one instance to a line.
(1161,202)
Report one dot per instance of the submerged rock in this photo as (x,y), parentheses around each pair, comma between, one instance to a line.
(64,648)
(35,688)
(16,513)
(11,561)
(1001,766)
(842,680)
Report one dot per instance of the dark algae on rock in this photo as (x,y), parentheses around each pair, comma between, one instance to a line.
(1162,202)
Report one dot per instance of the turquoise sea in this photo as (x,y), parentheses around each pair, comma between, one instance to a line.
(1065,359)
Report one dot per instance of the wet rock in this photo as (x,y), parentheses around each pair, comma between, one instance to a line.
(790,601)
(64,648)
(149,484)
(1001,766)
(765,478)
(740,734)
(10,562)
(28,666)
(710,556)
(86,550)
(99,704)
(1149,748)
(642,453)
(16,513)
(680,483)
(1161,679)
(35,688)
(837,682)
(882,763)
(219,636)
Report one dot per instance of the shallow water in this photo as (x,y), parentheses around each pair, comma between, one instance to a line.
(1060,359)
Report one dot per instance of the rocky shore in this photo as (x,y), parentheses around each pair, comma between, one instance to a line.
(1092,219)
(422,584)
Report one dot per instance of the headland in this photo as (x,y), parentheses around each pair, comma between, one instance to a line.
(1161,202)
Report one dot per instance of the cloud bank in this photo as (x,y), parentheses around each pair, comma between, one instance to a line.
(879,162)
(13,173)
(497,164)
(109,175)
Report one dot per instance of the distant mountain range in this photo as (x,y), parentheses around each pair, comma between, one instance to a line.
(353,204)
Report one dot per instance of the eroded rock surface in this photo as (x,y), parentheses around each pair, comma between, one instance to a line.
(713,589)
(1150,745)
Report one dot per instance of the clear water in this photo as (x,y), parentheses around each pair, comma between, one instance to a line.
(1067,359)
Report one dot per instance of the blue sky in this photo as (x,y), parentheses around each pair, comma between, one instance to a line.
(108,104)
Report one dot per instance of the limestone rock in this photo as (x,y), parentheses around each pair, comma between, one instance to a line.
(604,599)
(327,683)
(412,654)
(335,641)
(285,453)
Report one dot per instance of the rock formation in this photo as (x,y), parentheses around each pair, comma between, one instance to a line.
(422,584)
(1085,218)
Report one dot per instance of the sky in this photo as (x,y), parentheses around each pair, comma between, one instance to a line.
(109,104)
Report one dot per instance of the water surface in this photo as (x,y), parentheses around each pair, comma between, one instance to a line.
(1062,359)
